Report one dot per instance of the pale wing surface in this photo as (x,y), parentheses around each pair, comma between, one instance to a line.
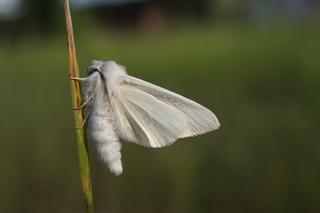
(152,116)
(199,119)
(143,119)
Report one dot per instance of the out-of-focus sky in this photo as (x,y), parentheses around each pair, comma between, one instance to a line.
(10,8)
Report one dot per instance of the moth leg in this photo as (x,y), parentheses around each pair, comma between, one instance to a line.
(83,104)
(77,79)
(84,122)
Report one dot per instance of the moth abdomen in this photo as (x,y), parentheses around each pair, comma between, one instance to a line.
(109,153)
(106,142)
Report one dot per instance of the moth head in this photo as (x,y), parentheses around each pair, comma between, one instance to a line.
(96,66)
(106,68)
(92,69)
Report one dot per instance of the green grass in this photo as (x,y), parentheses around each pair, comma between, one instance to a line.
(263,84)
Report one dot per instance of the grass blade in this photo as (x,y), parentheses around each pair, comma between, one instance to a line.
(78,114)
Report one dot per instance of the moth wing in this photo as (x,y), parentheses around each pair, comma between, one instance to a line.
(145,120)
(152,116)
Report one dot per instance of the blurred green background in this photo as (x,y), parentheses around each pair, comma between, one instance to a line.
(254,63)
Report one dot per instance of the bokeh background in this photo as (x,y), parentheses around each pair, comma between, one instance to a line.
(255,63)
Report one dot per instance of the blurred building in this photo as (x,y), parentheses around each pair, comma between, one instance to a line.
(257,10)
(101,3)
(287,9)
(152,14)
(43,16)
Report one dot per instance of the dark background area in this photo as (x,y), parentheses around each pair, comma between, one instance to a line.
(254,63)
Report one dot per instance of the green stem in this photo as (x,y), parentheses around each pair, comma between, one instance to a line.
(78,114)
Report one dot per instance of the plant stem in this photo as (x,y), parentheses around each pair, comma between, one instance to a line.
(78,114)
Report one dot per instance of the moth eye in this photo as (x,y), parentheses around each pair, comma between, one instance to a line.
(91,70)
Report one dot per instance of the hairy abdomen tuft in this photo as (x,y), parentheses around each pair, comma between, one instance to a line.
(106,141)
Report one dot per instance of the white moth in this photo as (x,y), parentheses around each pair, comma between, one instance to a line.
(122,107)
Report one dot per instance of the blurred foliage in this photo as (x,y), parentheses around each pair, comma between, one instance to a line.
(263,84)
(42,15)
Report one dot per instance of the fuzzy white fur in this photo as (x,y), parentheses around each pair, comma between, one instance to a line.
(126,108)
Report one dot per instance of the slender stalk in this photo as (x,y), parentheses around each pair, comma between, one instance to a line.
(78,114)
